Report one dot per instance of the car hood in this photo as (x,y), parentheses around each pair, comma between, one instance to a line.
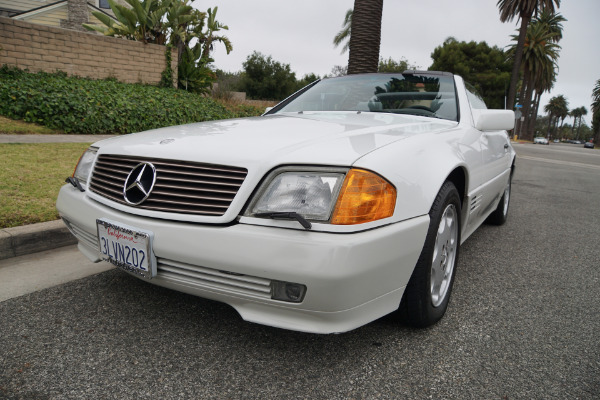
(260,143)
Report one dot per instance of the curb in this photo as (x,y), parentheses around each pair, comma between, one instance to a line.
(34,238)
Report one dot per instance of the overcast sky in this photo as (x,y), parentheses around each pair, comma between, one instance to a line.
(300,33)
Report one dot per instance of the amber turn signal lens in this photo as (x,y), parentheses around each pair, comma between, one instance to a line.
(364,197)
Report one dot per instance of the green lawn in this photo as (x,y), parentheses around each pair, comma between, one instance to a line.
(30,178)
(15,127)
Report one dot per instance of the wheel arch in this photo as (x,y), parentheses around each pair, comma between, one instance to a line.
(459,177)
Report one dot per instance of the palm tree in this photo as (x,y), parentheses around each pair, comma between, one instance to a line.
(556,107)
(142,21)
(540,55)
(578,114)
(596,97)
(523,9)
(596,111)
(343,36)
(182,22)
(365,38)
(209,37)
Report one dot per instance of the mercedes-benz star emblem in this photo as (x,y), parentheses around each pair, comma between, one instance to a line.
(139,183)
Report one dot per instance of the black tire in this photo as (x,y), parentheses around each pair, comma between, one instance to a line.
(500,214)
(422,304)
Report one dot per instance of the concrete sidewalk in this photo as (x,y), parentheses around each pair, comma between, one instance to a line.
(32,272)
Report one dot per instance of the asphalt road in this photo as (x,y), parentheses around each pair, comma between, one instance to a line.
(523,323)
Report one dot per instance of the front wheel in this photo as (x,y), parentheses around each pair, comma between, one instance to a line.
(428,291)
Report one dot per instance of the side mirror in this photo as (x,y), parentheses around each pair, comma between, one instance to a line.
(494,120)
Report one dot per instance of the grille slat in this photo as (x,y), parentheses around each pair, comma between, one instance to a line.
(181,187)
(100,170)
(198,182)
(203,174)
(207,277)
(110,186)
(197,189)
(194,196)
(162,201)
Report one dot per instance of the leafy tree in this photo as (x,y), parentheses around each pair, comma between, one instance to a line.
(266,79)
(523,9)
(339,70)
(365,37)
(391,65)
(343,36)
(483,66)
(306,79)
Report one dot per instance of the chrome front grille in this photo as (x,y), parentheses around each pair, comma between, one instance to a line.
(181,187)
(202,277)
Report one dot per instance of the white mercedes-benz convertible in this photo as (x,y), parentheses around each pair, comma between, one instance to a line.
(345,202)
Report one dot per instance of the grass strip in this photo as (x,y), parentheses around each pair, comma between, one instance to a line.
(30,178)
(15,127)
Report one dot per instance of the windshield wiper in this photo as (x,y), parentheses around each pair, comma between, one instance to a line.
(286,215)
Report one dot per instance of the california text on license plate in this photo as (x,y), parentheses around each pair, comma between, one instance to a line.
(126,247)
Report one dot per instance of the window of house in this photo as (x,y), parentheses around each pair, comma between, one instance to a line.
(103,4)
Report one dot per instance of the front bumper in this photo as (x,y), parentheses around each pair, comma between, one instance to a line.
(351,279)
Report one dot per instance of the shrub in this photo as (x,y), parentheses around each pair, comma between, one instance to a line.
(81,105)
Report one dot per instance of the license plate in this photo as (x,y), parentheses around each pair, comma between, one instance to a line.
(126,247)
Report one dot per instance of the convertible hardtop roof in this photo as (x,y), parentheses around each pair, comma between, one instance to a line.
(406,72)
(418,72)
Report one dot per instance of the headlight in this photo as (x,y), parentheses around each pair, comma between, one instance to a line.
(311,193)
(337,196)
(84,166)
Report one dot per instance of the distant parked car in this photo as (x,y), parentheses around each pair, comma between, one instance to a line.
(540,140)
(556,141)
(588,145)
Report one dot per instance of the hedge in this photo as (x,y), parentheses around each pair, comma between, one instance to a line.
(86,106)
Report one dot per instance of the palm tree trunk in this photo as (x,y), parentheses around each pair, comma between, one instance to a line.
(527,107)
(531,126)
(520,124)
(514,78)
(549,124)
(365,36)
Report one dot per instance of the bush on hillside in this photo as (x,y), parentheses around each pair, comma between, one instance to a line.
(86,106)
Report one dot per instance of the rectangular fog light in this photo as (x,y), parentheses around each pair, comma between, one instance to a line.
(287,291)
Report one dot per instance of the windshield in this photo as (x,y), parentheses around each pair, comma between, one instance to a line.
(430,95)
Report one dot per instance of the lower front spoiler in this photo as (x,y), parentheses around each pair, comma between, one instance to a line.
(351,278)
